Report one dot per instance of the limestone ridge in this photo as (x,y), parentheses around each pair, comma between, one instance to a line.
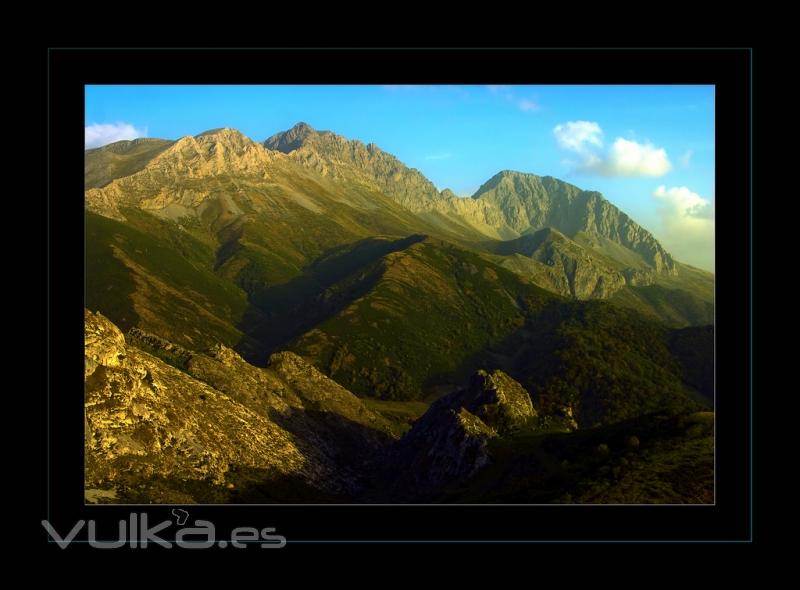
(290,140)
(508,205)
(334,156)
(170,179)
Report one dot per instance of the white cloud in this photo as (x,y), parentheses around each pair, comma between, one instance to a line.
(630,158)
(96,134)
(687,225)
(682,201)
(686,158)
(625,157)
(577,136)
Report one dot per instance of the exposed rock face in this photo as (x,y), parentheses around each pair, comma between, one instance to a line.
(147,420)
(170,179)
(329,424)
(336,157)
(499,401)
(449,443)
(529,201)
(505,207)
(559,264)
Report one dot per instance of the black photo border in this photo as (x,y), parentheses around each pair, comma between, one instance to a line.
(729,69)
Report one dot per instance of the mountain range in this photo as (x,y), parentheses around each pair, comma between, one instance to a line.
(305,318)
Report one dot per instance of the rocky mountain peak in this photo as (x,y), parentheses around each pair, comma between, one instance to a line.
(498,400)
(302,128)
(226,138)
(504,177)
(290,140)
(353,161)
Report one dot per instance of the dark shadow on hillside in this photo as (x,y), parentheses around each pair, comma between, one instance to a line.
(694,350)
(278,314)
(655,458)
(350,449)
(525,245)
(109,285)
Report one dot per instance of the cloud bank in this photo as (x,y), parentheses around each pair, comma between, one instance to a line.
(624,157)
(688,225)
(97,134)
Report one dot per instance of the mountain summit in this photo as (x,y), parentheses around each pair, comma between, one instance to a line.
(529,202)
(290,140)
(344,160)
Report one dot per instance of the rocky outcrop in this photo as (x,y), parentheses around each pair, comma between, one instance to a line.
(147,420)
(450,442)
(499,401)
(559,264)
(446,446)
(171,417)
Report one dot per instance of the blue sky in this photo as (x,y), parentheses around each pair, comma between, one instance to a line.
(648,149)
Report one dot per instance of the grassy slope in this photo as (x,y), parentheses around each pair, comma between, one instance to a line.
(123,158)
(698,282)
(682,300)
(616,255)
(675,307)
(685,299)
(433,310)
(149,273)
(415,315)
